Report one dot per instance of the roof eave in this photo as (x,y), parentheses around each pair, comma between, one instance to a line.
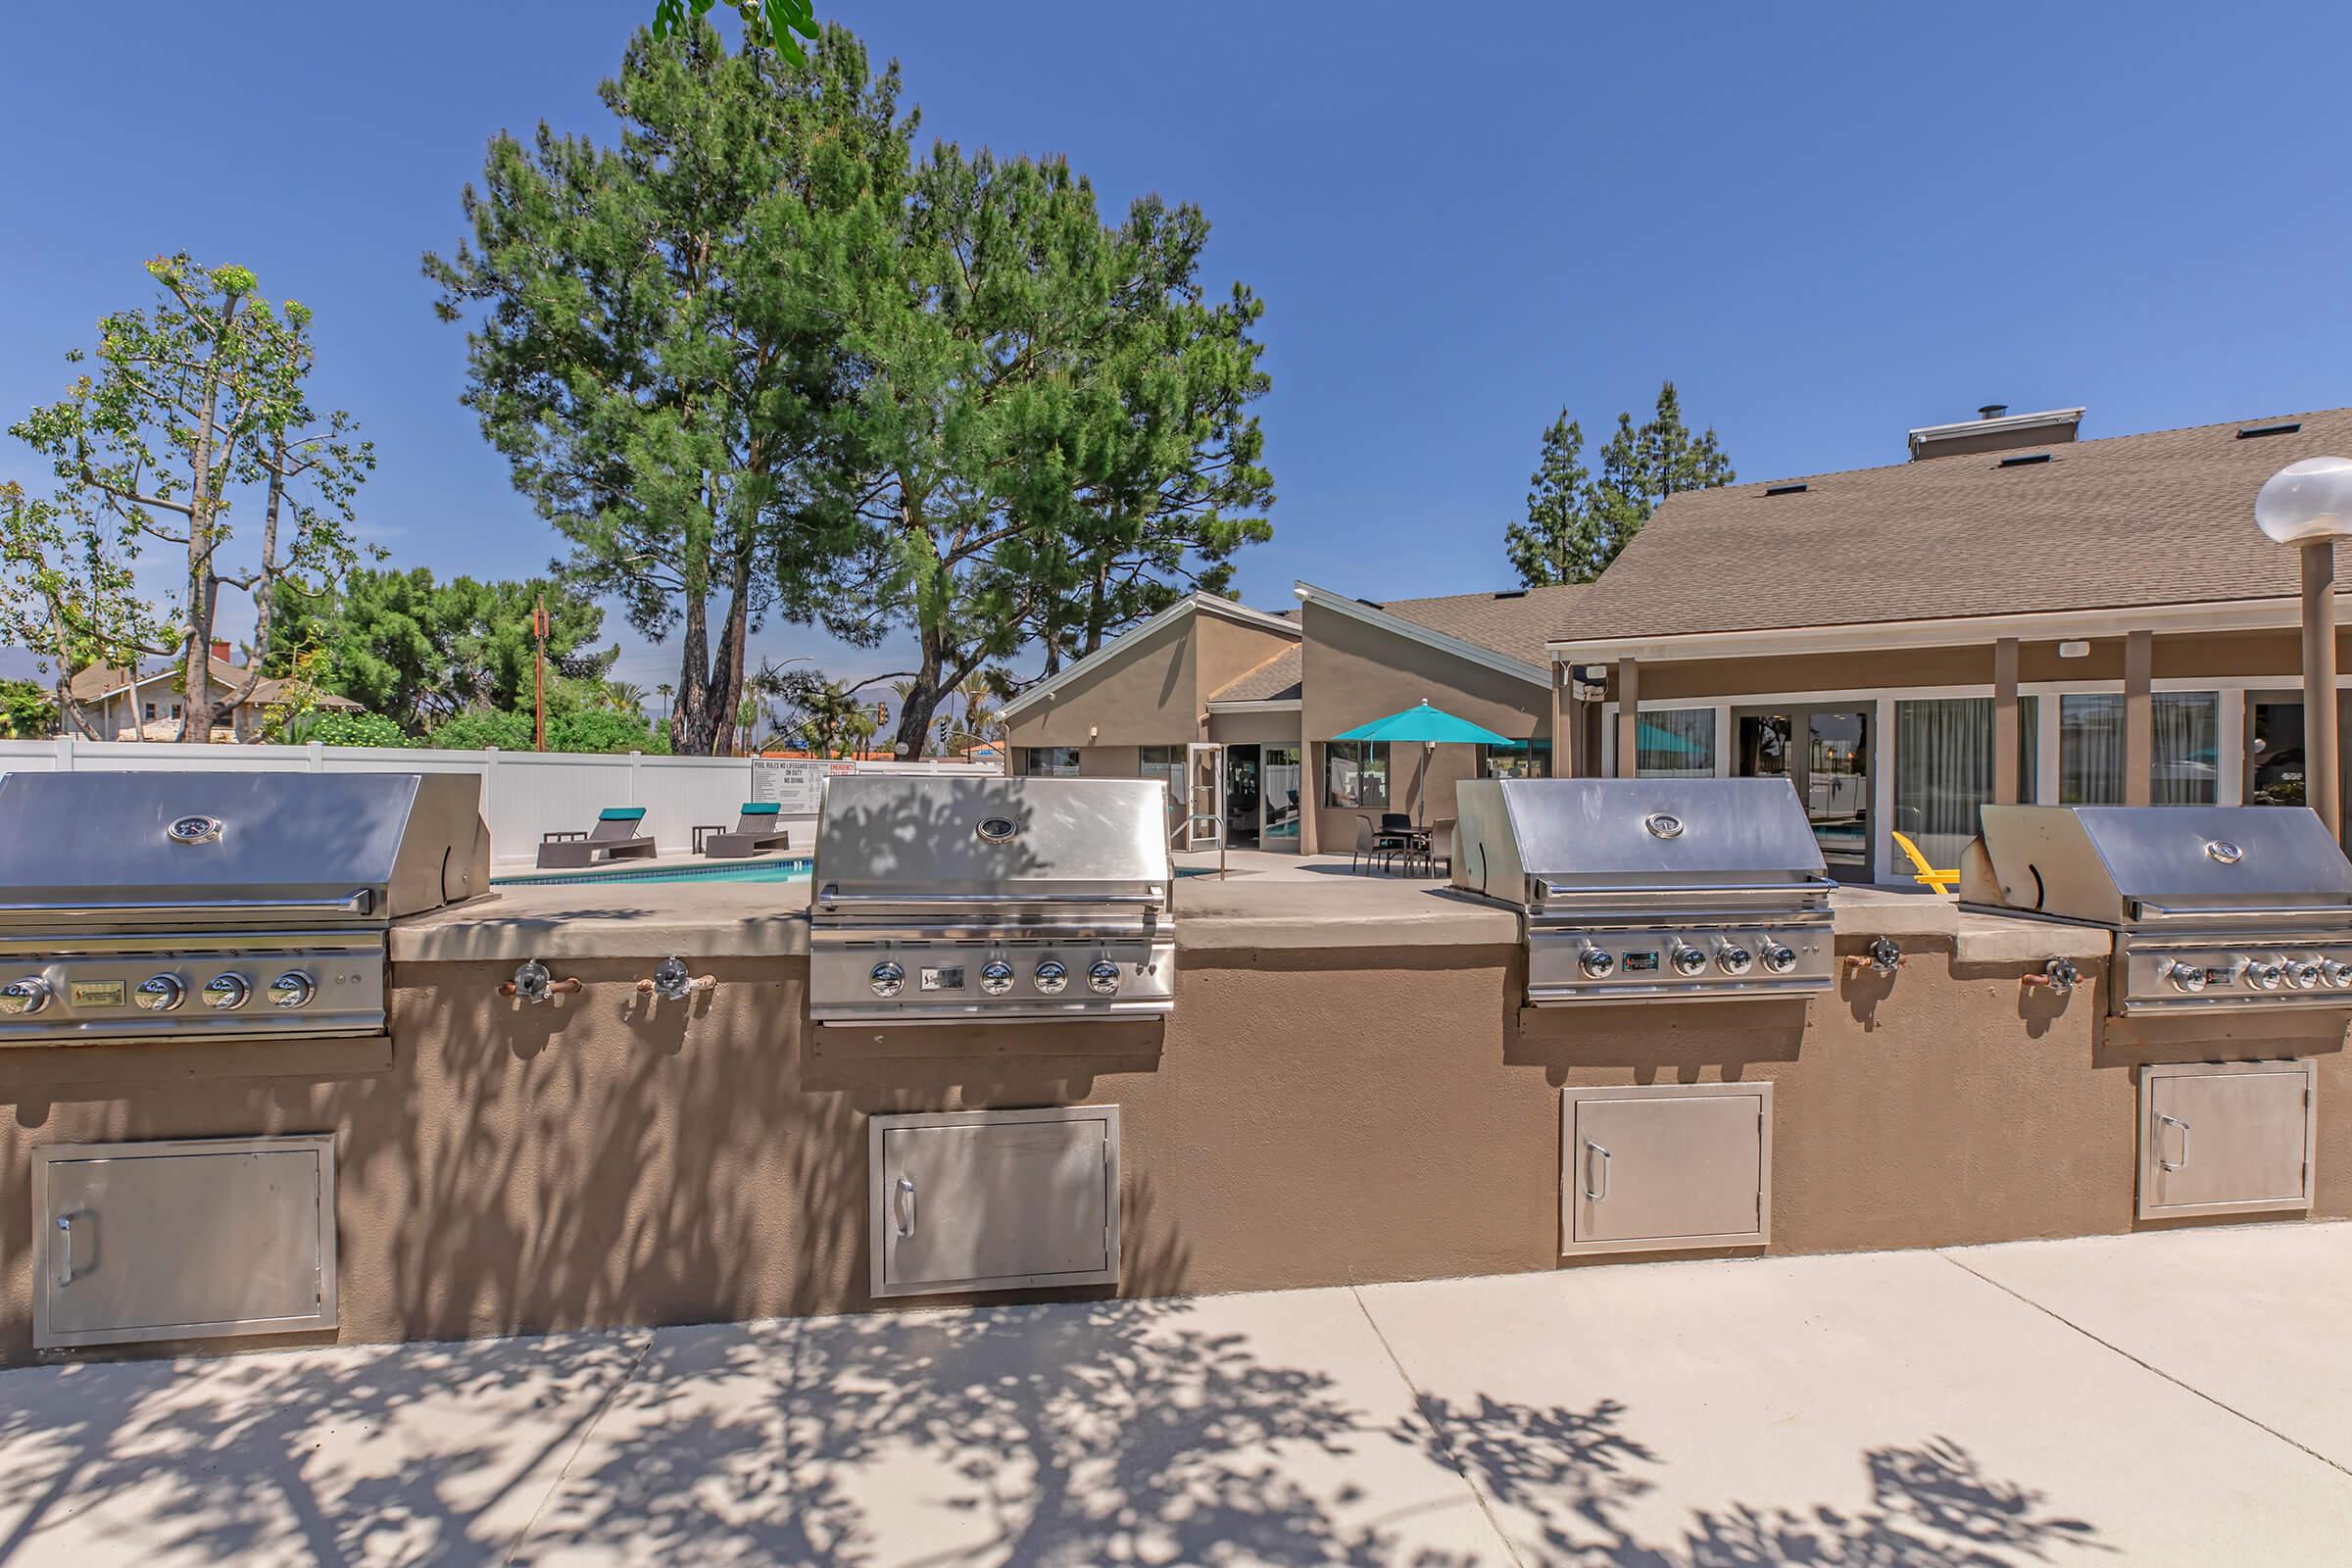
(1188,605)
(1414,631)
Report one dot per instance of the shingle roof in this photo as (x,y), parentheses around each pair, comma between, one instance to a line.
(1516,622)
(94,682)
(1276,681)
(2161,518)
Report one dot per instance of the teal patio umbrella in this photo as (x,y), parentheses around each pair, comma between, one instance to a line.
(1431,726)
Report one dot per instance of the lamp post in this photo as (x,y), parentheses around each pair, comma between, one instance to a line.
(2309,505)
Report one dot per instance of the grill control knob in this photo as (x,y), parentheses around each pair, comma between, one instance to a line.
(19,997)
(996,977)
(2263,974)
(1734,959)
(888,979)
(226,992)
(2184,977)
(1052,977)
(160,993)
(292,989)
(1779,956)
(1688,960)
(1104,976)
(1597,964)
(2336,972)
(2303,973)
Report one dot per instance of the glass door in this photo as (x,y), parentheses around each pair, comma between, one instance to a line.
(1279,784)
(1824,752)
(1243,795)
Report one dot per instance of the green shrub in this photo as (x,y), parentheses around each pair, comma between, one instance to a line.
(337,728)
(471,731)
(586,729)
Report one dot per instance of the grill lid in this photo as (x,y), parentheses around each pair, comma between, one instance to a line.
(896,839)
(2120,865)
(145,848)
(1593,835)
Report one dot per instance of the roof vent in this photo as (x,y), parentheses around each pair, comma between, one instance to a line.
(1995,429)
(1991,411)
(1510,593)
(1370,604)
(2025,460)
(1787,489)
(2255,432)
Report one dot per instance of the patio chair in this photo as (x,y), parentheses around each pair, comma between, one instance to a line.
(617,836)
(756,832)
(1926,875)
(1440,836)
(1372,847)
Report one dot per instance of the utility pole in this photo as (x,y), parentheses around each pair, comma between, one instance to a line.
(539,675)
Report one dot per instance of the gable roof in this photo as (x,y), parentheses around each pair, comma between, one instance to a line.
(1515,621)
(1277,680)
(2165,518)
(1188,605)
(95,683)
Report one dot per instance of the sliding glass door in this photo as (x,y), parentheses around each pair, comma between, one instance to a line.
(1824,752)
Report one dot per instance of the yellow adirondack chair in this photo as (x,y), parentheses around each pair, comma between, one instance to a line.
(1926,875)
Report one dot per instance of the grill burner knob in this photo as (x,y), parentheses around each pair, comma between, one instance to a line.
(1734,959)
(29,995)
(160,993)
(996,977)
(2303,973)
(1778,957)
(292,989)
(1688,960)
(2184,977)
(888,979)
(1052,977)
(1104,976)
(228,991)
(1597,964)
(2264,975)
(2336,972)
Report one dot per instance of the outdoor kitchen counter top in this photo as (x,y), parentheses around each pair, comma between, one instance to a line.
(769,920)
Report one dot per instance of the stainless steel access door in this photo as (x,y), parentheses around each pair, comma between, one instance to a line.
(191,1240)
(993,1199)
(2226,1138)
(1665,1167)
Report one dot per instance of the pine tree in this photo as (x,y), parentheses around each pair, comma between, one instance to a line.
(1556,541)
(1576,523)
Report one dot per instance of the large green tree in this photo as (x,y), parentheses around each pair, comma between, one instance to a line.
(68,595)
(420,652)
(1578,522)
(658,332)
(1051,436)
(202,396)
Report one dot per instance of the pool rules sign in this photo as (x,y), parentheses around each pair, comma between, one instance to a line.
(796,784)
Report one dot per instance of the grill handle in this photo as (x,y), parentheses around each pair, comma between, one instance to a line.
(2206,913)
(831,897)
(351,903)
(1555,892)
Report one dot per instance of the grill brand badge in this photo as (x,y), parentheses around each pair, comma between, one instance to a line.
(1663,826)
(194,830)
(997,829)
(2223,852)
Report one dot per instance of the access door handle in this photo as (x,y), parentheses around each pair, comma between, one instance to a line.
(65,1250)
(902,1202)
(1591,1148)
(2165,1164)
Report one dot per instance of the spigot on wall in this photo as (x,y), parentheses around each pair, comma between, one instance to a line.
(2059,975)
(1882,958)
(533,983)
(673,983)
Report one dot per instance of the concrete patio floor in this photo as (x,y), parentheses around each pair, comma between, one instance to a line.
(2170,1397)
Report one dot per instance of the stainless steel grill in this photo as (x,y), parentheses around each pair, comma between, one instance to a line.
(2213,906)
(959,900)
(1651,890)
(173,906)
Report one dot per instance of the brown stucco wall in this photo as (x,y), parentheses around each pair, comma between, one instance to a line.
(1242,728)
(1149,696)
(604,1160)
(1230,650)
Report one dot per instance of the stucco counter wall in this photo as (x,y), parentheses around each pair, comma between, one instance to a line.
(1370,1104)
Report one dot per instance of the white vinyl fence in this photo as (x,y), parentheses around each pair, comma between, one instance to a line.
(524,794)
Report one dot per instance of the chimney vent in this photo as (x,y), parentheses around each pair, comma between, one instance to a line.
(220,651)
(1991,411)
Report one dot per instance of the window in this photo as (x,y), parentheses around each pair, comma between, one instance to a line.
(1675,743)
(2183,759)
(1166,764)
(1050,762)
(1527,759)
(1356,773)
(151,710)
(1943,771)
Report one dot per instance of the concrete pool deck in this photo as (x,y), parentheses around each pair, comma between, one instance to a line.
(2168,1397)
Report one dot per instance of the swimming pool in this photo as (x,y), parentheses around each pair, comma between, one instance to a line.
(785,870)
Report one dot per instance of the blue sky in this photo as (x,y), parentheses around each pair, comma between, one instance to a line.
(1826,224)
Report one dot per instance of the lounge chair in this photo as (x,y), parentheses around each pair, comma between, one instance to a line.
(1926,874)
(617,836)
(755,833)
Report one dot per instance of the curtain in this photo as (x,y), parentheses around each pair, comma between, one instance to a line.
(1675,743)
(2090,748)
(2187,749)
(2185,756)
(1943,772)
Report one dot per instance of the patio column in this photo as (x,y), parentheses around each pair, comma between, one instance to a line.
(1311,796)
(2139,717)
(1629,718)
(2004,722)
(1564,760)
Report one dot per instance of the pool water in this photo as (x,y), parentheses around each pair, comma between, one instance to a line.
(786,870)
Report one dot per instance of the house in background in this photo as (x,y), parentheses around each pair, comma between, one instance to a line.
(2014,614)
(124,705)
(1273,691)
